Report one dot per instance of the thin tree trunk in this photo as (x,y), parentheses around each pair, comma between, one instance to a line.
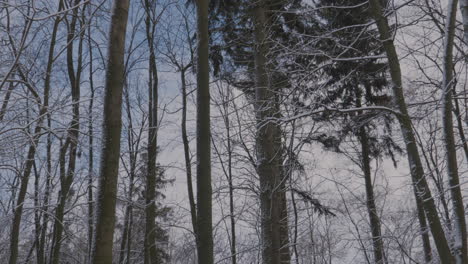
(37,214)
(204,189)
(112,125)
(421,186)
(461,131)
(459,223)
(290,166)
(188,165)
(227,125)
(231,194)
(18,211)
(374,219)
(41,258)
(66,180)
(125,232)
(150,191)
(91,147)
(125,241)
(6,100)
(379,254)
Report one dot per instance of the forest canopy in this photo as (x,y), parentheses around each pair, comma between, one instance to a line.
(233,131)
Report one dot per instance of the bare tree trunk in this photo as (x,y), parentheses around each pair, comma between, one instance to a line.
(112,125)
(204,192)
(461,131)
(424,228)
(230,182)
(459,223)
(125,243)
(91,148)
(374,219)
(18,211)
(37,214)
(379,254)
(188,166)
(41,258)
(227,169)
(6,100)
(284,225)
(268,143)
(66,180)
(290,167)
(150,192)
(421,186)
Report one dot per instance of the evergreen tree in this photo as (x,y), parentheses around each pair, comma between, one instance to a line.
(355,78)
(162,213)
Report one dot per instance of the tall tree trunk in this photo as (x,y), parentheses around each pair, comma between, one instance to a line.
(379,254)
(37,215)
(188,165)
(289,168)
(112,125)
(204,191)
(424,228)
(125,243)
(374,219)
(226,98)
(459,223)
(268,143)
(18,211)
(91,147)
(150,192)
(231,186)
(66,180)
(421,186)
(41,258)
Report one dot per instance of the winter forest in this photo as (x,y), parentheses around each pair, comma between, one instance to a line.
(233,131)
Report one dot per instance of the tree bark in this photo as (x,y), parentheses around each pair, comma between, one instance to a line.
(112,125)
(66,180)
(204,189)
(91,148)
(374,219)
(379,254)
(421,186)
(185,141)
(268,143)
(150,191)
(133,146)
(459,223)
(461,131)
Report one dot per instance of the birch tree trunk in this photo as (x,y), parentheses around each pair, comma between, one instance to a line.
(112,125)
(421,186)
